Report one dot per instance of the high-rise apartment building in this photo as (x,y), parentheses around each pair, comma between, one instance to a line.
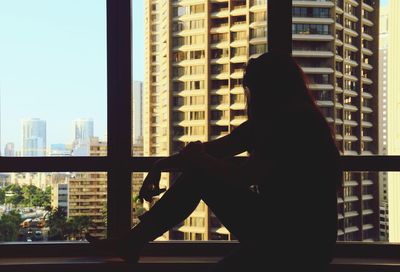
(33,137)
(137,110)
(383,124)
(194,63)
(87,194)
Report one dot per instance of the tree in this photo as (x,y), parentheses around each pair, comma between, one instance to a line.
(2,196)
(42,198)
(58,226)
(16,197)
(79,225)
(29,192)
(9,226)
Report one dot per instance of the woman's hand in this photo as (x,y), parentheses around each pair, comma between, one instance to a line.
(151,185)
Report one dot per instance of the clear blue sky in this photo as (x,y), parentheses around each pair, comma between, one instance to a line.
(53,64)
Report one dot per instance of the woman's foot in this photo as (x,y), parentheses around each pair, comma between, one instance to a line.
(120,247)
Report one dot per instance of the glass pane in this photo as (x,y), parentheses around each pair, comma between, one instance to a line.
(52,77)
(52,206)
(195,227)
(172,58)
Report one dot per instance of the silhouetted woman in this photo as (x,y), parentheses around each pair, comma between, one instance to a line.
(290,221)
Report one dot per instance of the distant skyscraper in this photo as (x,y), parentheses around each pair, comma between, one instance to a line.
(33,137)
(9,150)
(137,108)
(83,129)
(60,150)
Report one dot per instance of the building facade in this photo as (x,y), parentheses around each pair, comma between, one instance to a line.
(194,62)
(33,137)
(87,195)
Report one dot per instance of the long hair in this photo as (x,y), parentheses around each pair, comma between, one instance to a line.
(273,81)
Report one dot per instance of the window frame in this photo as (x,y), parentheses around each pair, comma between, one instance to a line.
(119,163)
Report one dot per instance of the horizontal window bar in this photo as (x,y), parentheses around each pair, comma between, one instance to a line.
(140,164)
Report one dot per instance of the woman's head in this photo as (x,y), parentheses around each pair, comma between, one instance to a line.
(275,82)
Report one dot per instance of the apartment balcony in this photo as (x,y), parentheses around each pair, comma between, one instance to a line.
(258,40)
(236,121)
(312,54)
(222,13)
(221,90)
(350,138)
(224,106)
(351,108)
(319,86)
(367,197)
(239,10)
(237,90)
(351,214)
(219,44)
(318,70)
(366,66)
(220,122)
(339,10)
(239,43)
(351,229)
(350,123)
(338,58)
(366,109)
(313,20)
(366,95)
(350,183)
(239,26)
(312,37)
(190,107)
(338,42)
(339,26)
(220,75)
(223,59)
(367,22)
(324,103)
(338,89)
(240,105)
(366,153)
(350,198)
(186,123)
(190,138)
(367,51)
(338,137)
(239,59)
(366,124)
(350,93)
(366,80)
(367,139)
(351,17)
(339,121)
(222,28)
(367,7)
(367,212)
(258,7)
(258,24)
(367,182)
(338,105)
(316,4)
(350,62)
(237,74)
(351,32)
(350,47)
(367,37)
(353,3)
(220,230)
(350,77)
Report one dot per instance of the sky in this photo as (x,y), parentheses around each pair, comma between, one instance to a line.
(53,64)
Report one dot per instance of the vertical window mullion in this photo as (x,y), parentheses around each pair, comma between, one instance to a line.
(280,26)
(119,119)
